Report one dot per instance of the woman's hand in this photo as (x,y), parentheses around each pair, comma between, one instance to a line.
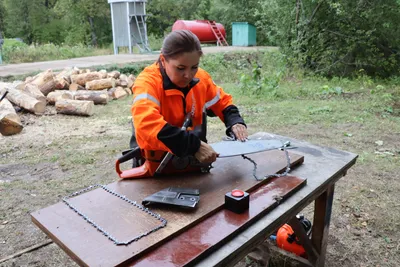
(240,132)
(206,154)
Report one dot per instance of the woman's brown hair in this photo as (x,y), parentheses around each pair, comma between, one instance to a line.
(178,42)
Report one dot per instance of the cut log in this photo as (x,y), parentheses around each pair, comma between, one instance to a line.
(75,70)
(100,84)
(42,77)
(75,87)
(132,77)
(45,81)
(32,90)
(122,83)
(111,93)
(62,83)
(119,93)
(24,100)
(74,107)
(131,81)
(10,122)
(127,90)
(98,97)
(53,97)
(48,87)
(103,74)
(63,79)
(114,74)
(83,78)
(123,77)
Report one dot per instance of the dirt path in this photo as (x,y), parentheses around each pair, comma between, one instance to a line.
(85,62)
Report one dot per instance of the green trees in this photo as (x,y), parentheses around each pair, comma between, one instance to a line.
(85,21)
(2,14)
(336,38)
(163,13)
(57,21)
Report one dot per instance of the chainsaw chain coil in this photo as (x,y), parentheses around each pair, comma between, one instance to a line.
(103,231)
(287,170)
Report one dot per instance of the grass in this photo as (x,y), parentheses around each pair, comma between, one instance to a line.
(17,52)
(14,51)
(360,115)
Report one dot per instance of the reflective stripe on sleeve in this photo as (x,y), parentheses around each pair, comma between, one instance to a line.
(214,100)
(146,96)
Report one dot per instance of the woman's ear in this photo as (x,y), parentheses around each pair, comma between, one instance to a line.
(162,58)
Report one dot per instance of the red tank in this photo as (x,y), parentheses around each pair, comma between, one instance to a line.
(200,28)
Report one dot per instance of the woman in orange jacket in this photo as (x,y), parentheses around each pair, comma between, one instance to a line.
(165,92)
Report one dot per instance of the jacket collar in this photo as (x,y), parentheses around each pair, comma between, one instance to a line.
(168,84)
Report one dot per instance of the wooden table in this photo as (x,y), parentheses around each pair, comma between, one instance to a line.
(322,167)
(224,238)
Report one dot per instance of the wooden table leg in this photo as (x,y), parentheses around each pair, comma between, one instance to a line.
(322,218)
(304,240)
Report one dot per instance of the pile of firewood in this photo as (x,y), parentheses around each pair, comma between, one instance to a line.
(72,91)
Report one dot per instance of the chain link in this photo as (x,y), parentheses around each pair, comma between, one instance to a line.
(103,231)
(270,175)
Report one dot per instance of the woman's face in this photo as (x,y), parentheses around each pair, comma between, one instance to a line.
(182,68)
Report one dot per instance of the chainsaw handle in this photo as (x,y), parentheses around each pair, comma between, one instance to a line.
(134,153)
(138,172)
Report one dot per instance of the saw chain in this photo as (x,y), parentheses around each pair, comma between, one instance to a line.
(102,230)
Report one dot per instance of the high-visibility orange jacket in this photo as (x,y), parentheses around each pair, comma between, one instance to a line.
(159,108)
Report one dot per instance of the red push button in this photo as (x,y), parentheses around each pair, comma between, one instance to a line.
(237,193)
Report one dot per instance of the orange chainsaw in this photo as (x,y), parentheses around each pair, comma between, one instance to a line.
(286,238)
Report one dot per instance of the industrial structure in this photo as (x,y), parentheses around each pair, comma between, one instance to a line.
(129,24)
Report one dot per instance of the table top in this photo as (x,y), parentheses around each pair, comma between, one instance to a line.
(322,167)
